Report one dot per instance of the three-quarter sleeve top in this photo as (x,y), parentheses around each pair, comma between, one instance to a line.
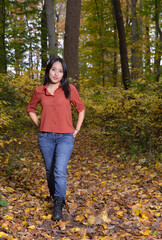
(56,113)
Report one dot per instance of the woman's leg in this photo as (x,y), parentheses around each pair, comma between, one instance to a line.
(47,147)
(63,152)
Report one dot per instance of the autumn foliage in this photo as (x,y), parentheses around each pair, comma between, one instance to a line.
(113,175)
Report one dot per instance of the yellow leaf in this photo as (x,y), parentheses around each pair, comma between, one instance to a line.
(8,217)
(144,215)
(47,217)
(91,219)
(1,144)
(158,165)
(104,225)
(147,233)
(119,214)
(79,218)
(32,227)
(2,234)
(9,189)
(4,226)
(25,223)
(89,203)
(72,230)
(106,219)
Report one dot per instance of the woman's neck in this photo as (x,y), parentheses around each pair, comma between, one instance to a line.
(52,87)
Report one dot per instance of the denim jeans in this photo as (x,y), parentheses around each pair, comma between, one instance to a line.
(56,149)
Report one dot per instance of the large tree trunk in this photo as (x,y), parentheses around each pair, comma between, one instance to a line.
(3,62)
(49,5)
(71,38)
(122,43)
(158,42)
(43,38)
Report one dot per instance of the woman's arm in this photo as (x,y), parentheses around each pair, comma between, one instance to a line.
(79,122)
(34,118)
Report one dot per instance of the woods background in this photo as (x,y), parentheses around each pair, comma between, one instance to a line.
(112,50)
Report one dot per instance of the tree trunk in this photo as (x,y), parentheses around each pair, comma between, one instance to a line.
(49,6)
(140,36)
(147,53)
(135,59)
(43,38)
(127,14)
(102,48)
(115,69)
(3,62)
(122,44)
(158,42)
(71,38)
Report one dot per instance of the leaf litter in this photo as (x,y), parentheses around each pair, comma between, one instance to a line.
(106,197)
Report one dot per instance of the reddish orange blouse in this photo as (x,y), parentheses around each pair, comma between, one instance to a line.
(56,113)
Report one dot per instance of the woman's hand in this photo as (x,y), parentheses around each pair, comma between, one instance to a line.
(34,118)
(79,122)
(75,132)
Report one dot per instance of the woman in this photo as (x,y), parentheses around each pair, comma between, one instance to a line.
(56,136)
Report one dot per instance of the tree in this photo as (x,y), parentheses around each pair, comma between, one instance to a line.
(49,6)
(158,37)
(43,37)
(3,64)
(122,44)
(71,38)
(100,23)
(135,38)
(115,69)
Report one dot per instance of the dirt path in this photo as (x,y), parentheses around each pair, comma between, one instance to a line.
(106,199)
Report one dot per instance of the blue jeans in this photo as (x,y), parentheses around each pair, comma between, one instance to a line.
(56,149)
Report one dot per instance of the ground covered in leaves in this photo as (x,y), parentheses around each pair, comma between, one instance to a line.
(106,197)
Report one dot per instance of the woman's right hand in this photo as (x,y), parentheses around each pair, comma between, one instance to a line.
(34,118)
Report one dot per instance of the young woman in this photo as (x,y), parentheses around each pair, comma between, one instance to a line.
(56,136)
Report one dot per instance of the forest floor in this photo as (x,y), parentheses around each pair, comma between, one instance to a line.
(106,197)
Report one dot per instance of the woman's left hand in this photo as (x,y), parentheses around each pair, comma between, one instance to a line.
(75,132)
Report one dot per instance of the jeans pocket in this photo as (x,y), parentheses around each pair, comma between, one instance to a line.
(42,134)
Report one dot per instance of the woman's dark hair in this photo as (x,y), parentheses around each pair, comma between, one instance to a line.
(64,81)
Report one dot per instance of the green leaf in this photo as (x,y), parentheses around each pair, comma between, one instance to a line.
(3,203)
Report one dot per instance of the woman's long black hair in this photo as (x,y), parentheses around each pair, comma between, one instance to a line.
(64,81)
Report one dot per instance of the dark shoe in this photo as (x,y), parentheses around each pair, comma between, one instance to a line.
(58,204)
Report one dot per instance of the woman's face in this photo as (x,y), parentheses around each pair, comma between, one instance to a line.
(56,73)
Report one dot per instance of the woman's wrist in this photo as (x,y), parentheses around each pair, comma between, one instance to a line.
(76,130)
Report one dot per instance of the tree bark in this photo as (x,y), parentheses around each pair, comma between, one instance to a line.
(158,42)
(43,38)
(49,5)
(140,36)
(135,59)
(102,48)
(122,44)
(3,61)
(71,38)
(115,68)
(147,53)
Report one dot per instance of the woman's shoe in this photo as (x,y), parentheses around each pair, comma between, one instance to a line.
(58,204)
